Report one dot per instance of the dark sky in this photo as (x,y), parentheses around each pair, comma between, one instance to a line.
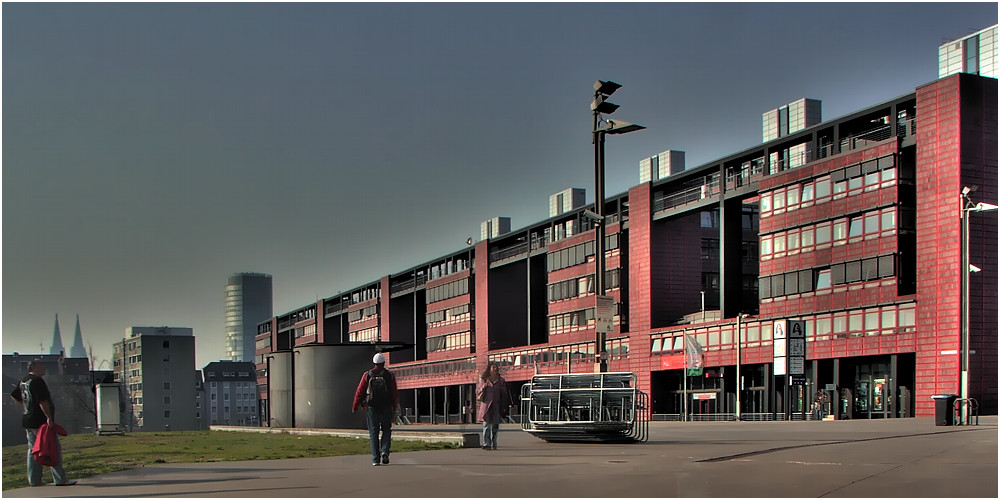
(151,150)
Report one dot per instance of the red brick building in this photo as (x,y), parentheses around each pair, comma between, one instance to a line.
(852,225)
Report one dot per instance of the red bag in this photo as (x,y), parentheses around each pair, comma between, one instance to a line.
(46,450)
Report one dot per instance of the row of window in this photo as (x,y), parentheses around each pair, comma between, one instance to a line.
(582,286)
(617,349)
(302,331)
(810,280)
(452,315)
(448,290)
(578,254)
(885,320)
(264,343)
(459,340)
(864,176)
(443,269)
(467,365)
(836,232)
(365,335)
(361,314)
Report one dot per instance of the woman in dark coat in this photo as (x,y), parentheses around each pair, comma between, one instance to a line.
(494,401)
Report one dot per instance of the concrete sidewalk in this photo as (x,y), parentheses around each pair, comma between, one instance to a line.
(851,458)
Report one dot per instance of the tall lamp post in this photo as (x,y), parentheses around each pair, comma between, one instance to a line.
(967,208)
(601,127)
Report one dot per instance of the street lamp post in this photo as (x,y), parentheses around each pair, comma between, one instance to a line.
(599,106)
(967,208)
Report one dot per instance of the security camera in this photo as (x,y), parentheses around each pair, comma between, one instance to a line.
(974,269)
(592,216)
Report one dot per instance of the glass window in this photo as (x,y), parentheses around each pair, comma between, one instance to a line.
(807,193)
(872,180)
(793,240)
(840,323)
(657,345)
(888,320)
(793,196)
(889,175)
(839,188)
(907,316)
(765,202)
(871,321)
(889,219)
(871,223)
(823,187)
(779,243)
(807,237)
(855,183)
(765,245)
(779,199)
(823,279)
(823,233)
(753,333)
(852,271)
(823,325)
(840,230)
(855,228)
(854,322)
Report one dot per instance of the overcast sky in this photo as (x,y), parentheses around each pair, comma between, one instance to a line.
(152,150)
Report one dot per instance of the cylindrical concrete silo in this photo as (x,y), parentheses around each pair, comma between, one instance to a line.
(279,382)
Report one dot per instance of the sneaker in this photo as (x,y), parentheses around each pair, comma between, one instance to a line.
(375,463)
(385,459)
(494,447)
(71,482)
(487,448)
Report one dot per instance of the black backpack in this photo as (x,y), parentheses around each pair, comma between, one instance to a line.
(378,396)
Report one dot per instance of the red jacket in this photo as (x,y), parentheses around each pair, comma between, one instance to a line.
(46,450)
(362,391)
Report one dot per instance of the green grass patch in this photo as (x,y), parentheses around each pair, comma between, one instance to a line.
(86,455)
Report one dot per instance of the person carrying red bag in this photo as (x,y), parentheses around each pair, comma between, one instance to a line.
(32,394)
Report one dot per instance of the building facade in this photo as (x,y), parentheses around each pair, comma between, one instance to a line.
(850,226)
(231,393)
(248,302)
(155,366)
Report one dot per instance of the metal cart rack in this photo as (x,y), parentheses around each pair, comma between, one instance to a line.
(596,407)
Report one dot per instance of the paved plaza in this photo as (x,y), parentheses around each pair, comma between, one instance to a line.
(852,458)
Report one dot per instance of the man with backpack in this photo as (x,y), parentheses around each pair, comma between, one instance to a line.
(377,394)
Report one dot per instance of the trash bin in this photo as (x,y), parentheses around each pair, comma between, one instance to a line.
(944,409)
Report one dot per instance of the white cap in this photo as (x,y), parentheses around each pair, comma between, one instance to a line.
(378,358)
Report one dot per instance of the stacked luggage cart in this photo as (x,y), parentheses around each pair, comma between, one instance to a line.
(594,407)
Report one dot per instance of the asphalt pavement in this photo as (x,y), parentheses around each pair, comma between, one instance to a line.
(849,458)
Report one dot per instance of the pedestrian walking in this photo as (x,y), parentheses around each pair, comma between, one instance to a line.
(494,403)
(377,394)
(32,395)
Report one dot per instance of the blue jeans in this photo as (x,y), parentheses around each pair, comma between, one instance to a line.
(35,468)
(490,434)
(379,420)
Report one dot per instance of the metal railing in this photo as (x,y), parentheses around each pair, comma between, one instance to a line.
(971,407)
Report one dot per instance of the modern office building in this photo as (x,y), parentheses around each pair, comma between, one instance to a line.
(231,393)
(975,54)
(155,366)
(248,302)
(850,226)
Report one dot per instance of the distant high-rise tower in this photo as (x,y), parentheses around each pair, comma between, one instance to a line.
(77,350)
(975,54)
(248,302)
(57,345)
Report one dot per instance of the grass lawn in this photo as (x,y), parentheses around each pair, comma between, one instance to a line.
(86,455)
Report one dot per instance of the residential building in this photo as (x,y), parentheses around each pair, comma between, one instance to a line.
(851,226)
(231,393)
(248,302)
(155,366)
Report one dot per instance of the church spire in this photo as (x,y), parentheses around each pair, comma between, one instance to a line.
(77,351)
(57,345)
